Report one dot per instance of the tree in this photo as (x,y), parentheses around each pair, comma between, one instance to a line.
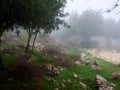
(33,15)
(83,29)
(86,26)
(47,17)
(15,12)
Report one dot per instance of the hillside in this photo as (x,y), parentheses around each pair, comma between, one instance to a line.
(65,71)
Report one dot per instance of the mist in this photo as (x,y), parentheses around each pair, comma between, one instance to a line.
(90,28)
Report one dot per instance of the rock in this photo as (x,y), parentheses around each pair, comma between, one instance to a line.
(17,48)
(55,56)
(69,81)
(32,58)
(83,85)
(55,71)
(75,75)
(85,62)
(96,67)
(50,70)
(95,63)
(77,62)
(7,54)
(50,79)
(116,76)
(61,69)
(39,46)
(63,85)
(56,89)
(103,84)
(82,56)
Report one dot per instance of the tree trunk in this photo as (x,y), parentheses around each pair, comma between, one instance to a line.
(28,42)
(34,40)
(1,33)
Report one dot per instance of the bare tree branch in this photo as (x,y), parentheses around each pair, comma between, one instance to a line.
(114,6)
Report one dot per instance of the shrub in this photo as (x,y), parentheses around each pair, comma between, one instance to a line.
(26,71)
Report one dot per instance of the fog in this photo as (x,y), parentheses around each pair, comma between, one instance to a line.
(91,26)
(101,6)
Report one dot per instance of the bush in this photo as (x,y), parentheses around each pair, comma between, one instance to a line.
(26,71)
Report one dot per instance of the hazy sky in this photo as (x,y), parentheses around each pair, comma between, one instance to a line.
(99,5)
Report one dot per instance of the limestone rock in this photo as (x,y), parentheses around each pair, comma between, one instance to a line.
(50,79)
(75,75)
(116,76)
(83,85)
(56,89)
(63,85)
(77,62)
(103,84)
(32,58)
(95,63)
(96,67)
(50,69)
(85,62)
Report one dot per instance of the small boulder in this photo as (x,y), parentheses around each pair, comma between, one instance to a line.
(50,69)
(56,89)
(77,62)
(116,76)
(50,79)
(85,62)
(32,58)
(69,81)
(103,84)
(96,67)
(75,75)
(63,85)
(95,63)
(83,85)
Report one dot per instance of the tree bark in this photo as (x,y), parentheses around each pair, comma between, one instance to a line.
(1,33)
(34,40)
(28,43)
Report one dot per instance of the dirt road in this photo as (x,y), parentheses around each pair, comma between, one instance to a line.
(110,56)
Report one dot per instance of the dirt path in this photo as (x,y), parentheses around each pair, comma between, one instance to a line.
(110,56)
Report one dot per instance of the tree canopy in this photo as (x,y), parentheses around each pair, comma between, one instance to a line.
(34,14)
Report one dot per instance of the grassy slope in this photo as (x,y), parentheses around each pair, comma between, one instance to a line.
(85,74)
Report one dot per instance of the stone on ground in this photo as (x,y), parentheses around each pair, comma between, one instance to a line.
(77,62)
(83,85)
(50,70)
(116,76)
(103,84)
(75,75)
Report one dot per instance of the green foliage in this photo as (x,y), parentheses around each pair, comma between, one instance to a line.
(31,12)
(33,15)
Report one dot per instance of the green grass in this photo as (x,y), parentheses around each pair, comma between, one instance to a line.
(85,73)
(73,51)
